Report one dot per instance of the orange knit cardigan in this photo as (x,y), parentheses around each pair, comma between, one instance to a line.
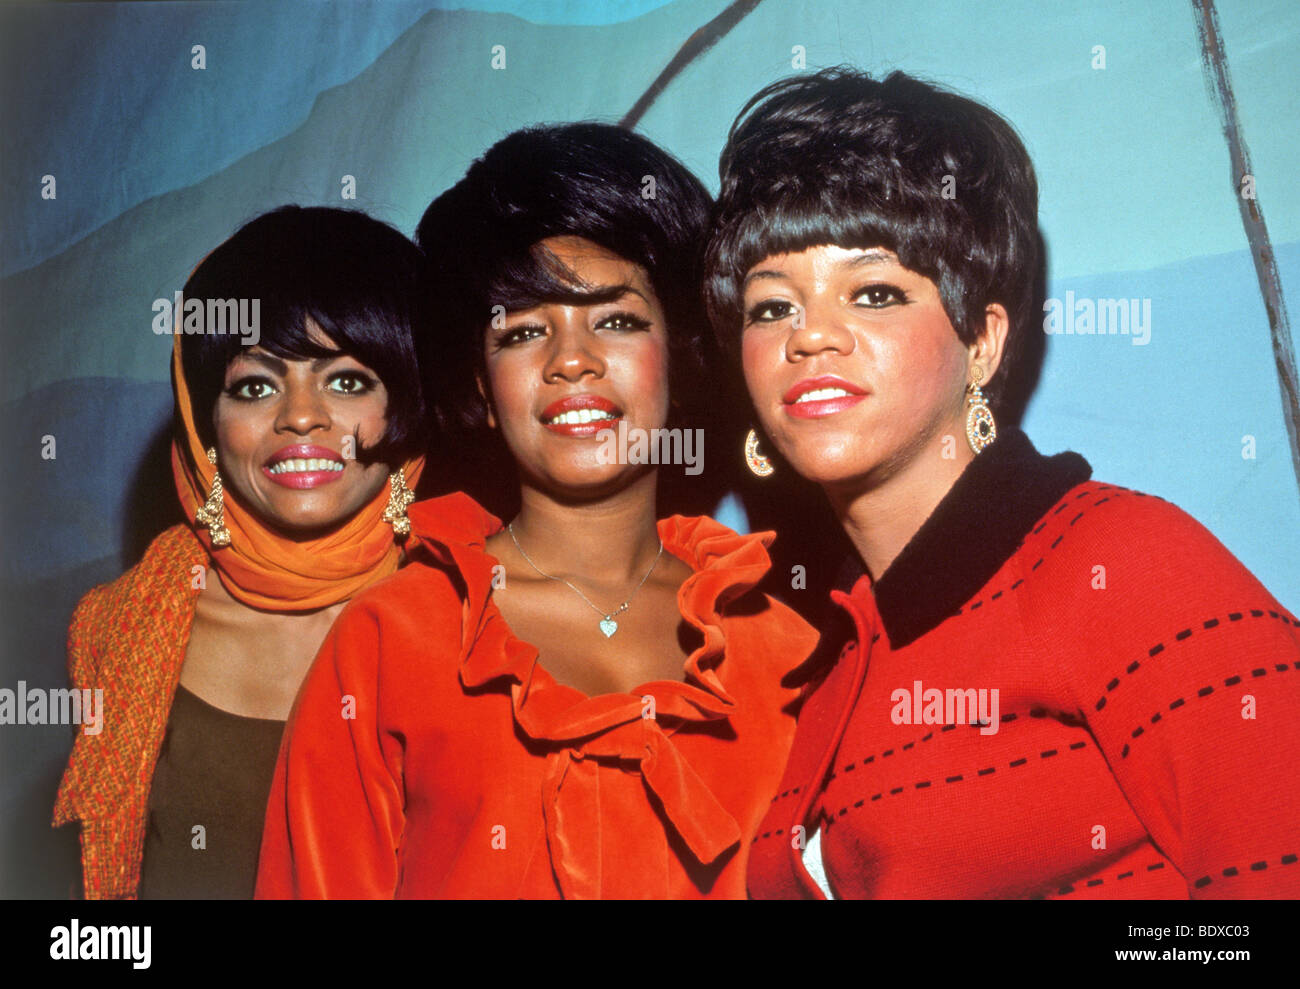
(127,637)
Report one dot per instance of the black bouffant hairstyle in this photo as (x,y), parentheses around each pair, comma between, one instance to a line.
(837,157)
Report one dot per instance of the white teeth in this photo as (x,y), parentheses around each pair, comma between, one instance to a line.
(579,416)
(821,394)
(300,466)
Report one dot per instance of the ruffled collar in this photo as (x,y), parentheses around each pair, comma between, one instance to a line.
(453,531)
(578,728)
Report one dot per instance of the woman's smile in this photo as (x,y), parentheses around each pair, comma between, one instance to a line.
(825,395)
(569,368)
(304,466)
(852,362)
(581,415)
(289,433)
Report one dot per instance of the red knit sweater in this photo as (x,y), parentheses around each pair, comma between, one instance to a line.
(1146,727)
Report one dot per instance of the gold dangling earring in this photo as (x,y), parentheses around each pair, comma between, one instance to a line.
(399,496)
(211,512)
(981,430)
(759,465)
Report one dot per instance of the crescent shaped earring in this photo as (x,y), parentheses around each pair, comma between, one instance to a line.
(759,464)
(981,430)
(212,512)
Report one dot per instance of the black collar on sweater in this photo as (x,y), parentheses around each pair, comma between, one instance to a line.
(977,527)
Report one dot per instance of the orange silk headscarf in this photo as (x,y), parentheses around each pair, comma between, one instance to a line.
(264,569)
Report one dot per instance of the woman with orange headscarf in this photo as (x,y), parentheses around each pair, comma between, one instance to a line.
(298,423)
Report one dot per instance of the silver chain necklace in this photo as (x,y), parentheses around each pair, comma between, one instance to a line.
(607,624)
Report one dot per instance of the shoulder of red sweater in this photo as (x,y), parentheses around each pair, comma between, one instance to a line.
(1095,516)
(1110,562)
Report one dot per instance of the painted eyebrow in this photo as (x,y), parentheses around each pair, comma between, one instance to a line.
(593,295)
(867,258)
(281,368)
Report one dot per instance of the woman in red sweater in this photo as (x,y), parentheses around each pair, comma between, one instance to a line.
(1051,687)
(587,702)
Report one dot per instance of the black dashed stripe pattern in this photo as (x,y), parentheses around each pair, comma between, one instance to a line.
(1207,691)
(1185,634)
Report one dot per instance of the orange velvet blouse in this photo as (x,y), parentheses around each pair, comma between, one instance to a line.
(431,755)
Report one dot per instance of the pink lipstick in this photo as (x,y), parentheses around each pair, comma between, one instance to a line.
(304,466)
(816,398)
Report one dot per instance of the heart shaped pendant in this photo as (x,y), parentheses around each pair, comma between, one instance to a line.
(608,626)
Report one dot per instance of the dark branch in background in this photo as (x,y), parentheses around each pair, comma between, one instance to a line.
(696,45)
(1215,63)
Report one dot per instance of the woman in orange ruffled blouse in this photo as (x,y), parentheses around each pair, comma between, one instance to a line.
(294,443)
(586,702)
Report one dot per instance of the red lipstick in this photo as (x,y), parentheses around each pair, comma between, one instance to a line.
(579,403)
(818,408)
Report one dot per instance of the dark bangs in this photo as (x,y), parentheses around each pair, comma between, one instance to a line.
(529,278)
(355,277)
(789,226)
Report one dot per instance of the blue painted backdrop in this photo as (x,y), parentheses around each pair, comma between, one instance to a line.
(156,161)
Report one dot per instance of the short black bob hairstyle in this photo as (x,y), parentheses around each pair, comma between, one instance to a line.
(591,180)
(836,157)
(355,277)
